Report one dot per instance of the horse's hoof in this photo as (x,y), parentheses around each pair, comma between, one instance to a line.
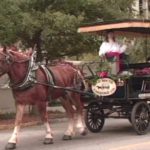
(48,141)
(67,137)
(84,133)
(10,146)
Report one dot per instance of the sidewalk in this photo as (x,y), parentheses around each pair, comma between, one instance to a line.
(56,114)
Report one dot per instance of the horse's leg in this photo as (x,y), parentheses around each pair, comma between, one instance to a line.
(44,117)
(80,115)
(70,113)
(13,140)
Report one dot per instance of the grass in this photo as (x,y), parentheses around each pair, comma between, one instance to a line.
(7,116)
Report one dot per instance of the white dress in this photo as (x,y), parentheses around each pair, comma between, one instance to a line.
(107,47)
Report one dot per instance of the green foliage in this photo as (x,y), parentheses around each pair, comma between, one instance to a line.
(140,51)
(52,24)
(9,22)
(7,116)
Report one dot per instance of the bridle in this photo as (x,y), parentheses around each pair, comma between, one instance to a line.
(30,78)
(9,60)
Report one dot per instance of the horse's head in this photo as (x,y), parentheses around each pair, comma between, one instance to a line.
(5,60)
(9,57)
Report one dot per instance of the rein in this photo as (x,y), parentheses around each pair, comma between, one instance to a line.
(30,78)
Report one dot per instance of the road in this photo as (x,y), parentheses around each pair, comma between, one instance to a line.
(116,135)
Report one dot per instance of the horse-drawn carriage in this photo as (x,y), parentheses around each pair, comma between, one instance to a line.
(120,97)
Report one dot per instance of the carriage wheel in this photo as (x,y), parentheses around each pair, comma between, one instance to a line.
(140,117)
(94,118)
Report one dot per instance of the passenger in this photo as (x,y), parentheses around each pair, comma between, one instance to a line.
(110,47)
(112,51)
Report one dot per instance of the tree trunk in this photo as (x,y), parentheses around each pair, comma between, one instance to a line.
(37,41)
(39,51)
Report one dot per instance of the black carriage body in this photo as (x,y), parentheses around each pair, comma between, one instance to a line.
(124,103)
(124,97)
(131,90)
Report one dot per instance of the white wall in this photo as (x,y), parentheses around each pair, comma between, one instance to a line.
(7,103)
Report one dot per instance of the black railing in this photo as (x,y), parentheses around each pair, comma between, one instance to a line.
(135,66)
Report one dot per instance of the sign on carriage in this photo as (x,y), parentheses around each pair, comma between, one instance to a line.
(104,87)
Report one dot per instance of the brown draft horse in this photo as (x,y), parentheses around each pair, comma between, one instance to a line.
(15,64)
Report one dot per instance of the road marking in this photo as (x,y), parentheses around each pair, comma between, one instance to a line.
(131,146)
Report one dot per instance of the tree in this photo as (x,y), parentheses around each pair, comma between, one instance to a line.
(9,23)
(52,24)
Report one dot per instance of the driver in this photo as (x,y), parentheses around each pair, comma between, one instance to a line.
(112,50)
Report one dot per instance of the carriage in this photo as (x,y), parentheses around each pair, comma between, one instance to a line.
(108,97)
(127,98)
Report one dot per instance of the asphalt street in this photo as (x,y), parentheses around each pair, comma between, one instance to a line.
(117,134)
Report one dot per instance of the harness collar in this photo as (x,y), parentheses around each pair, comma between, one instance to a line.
(30,78)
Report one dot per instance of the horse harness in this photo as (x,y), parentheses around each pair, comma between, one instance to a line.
(31,79)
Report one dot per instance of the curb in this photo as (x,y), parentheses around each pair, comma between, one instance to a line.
(33,123)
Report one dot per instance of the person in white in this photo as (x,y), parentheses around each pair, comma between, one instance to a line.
(111,46)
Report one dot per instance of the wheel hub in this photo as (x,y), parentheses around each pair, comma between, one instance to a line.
(142,116)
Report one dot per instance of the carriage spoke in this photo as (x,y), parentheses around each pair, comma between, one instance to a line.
(95,119)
